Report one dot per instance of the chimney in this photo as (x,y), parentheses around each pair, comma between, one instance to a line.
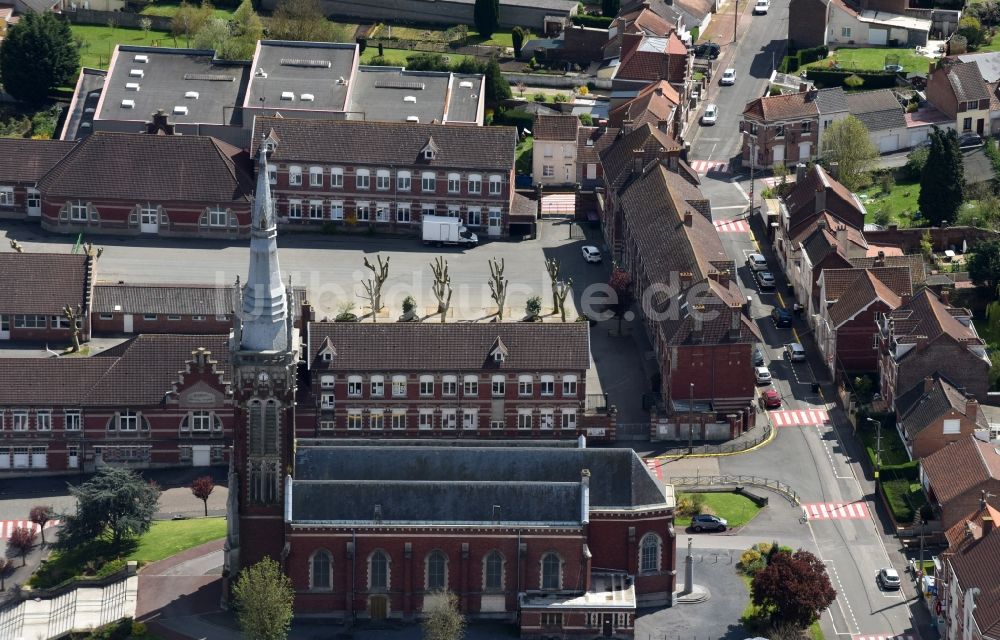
(722,277)
(803,87)
(734,323)
(820,200)
(821,223)
(971,408)
(645,4)
(585,496)
(637,161)
(697,317)
(688,218)
(159,124)
(880,259)
(928,384)
(800,172)
(842,236)
(987,526)
(946,297)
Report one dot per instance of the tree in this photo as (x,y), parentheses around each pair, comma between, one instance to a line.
(38,54)
(442,286)
(943,181)
(486,17)
(517,36)
(41,515)
(970,28)
(75,320)
(427,62)
(263,597)
(189,19)
(984,265)
(498,285)
(305,20)
(442,618)
(621,284)
(213,34)
(202,488)
(846,142)
(497,87)
(145,24)
(609,8)
(116,502)
(21,541)
(245,30)
(5,565)
(793,588)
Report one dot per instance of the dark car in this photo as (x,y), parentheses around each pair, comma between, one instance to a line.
(758,357)
(970,141)
(706,522)
(782,317)
(708,50)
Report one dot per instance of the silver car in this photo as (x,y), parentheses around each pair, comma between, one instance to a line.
(706,522)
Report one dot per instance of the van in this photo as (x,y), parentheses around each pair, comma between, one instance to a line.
(795,352)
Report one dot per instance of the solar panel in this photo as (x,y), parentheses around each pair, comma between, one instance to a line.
(209,77)
(292,62)
(399,83)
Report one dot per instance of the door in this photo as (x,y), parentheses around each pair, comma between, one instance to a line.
(74,457)
(4,327)
(39,458)
(878,36)
(979,126)
(377,607)
(606,625)
(495,219)
(127,323)
(20,458)
(888,144)
(148,220)
(201,455)
(34,203)
(779,153)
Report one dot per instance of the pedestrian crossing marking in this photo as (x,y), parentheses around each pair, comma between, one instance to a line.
(835,511)
(731,226)
(7,527)
(708,166)
(772,182)
(655,468)
(559,204)
(790,418)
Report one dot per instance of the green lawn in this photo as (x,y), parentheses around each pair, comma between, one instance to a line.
(524,155)
(399,56)
(170,537)
(901,202)
(439,34)
(872,59)
(99,42)
(905,498)
(736,509)
(168,9)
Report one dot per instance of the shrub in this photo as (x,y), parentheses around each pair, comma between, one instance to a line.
(751,561)
(854,81)
(596,22)
(887,182)
(915,162)
(538,97)
(690,504)
(560,97)
(586,119)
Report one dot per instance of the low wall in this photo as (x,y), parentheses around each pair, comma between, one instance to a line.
(120,18)
(556,82)
(711,431)
(941,238)
(43,614)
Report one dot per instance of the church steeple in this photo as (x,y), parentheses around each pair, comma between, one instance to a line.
(264,315)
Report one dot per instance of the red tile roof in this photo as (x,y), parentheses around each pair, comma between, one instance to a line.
(960,467)
(863,292)
(839,201)
(655,103)
(652,58)
(977,565)
(561,127)
(788,106)
(26,161)
(41,283)
(643,20)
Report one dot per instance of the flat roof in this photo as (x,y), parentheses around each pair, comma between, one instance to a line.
(394,94)
(285,71)
(895,20)
(153,78)
(80,120)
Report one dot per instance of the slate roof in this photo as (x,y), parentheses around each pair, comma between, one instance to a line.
(645,20)
(654,103)
(976,565)
(988,63)
(353,142)
(600,139)
(139,167)
(966,82)
(961,466)
(787,106)
(914,262)
(832,100)
(454,346)
(163,299)
(719,302)
(925,316)
(618,159)
(863,292)
(619,478)
(918,408)
(877,110)
(839,281)
(137,373)
(26,161)
(41,283)
(840,202)
(561,127)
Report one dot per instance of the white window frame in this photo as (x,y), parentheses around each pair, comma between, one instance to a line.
(474,217)
(498,386)
(382,211)
(73,420)
(79,211)
(355,386)
(316,210)
(546,419)
(403,214)
(496,185)
(569,419)
(569,386)
(656,548)
(547,385)
(127,421)
(295,209)
(470,386)
(426,386)
(337,178)
(399,419)
(6,196)
(449,385)
(404,180)
(327,400)
(475,184)
(525,386)
(200,421)
(315,176)
(328,382)
(362,211)
(425,419)
(383,179)
(470,419)
(398,386)
(294,175)
(377,385)
(548,171)
(428,181)
(336,209)
(454,182)
(362,179)
(354,420)
(218,217)
(449,419)
(524,420)
(376,419)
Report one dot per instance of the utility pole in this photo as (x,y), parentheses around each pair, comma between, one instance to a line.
(691,418)
(753,161)
(736,19)
(878,445)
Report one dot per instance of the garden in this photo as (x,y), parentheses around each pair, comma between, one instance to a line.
(872,59)
(899,477)
(736,509)
(767,570)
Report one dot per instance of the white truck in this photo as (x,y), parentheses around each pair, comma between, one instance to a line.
(440,230)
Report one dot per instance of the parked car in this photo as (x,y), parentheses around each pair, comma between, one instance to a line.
(782,317)
(762,374)
(765,279)
(970,141)
(761,7)
(757,262)
(728,77)
(888,579)
(758,356)
(709,50)
(711,115)
(706,522)
(770,398)
(591,254)
(795,352)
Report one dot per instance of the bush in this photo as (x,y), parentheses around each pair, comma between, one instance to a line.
(807,56)
(827,78)
(751,561)
(887,182)
(513,118)
(538,97)
(690,504)
(596,22)
(915,162)
(560,97)
(905,498)
(586,119)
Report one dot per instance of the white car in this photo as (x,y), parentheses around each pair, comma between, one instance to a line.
(757,262)
(728,77)
(711,114)
(761,7)
(591,254)
(762,374)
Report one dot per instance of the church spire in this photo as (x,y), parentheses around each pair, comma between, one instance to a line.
(265,306)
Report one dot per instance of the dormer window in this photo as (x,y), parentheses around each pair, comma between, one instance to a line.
(498,356)
(498,351)
(429,154)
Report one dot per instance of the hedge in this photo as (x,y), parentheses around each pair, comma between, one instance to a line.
(827,78)
(598,22)
(792,62)
(513,118)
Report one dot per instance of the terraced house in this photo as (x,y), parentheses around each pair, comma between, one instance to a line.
(782,129)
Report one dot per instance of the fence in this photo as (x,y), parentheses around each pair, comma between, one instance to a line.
(716,481)
(719,449)
(118,18)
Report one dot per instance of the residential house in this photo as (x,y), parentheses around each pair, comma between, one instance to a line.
(554,150)
(386,176)
(657,105)
(883,116)
(591,143)
(819,245)
(850,300)
(958,90)
(35,289)
(691,16)
(914,262)
(831,104)
(921,122)
(781,129)
(639,20)
(968,591)
(956,476)
(926,336)
(814,23)
(22,164)
(934,414)
(645,59)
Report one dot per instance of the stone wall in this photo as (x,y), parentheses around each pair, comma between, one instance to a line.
(942,238)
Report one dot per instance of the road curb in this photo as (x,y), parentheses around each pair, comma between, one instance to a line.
(757,446)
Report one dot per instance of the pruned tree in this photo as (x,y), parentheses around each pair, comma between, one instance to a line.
(371,295)
(202,488)
(75,319)
(560,292)
(41,515)
(793,588)
(517,36)
(380,275)
(114,501)
(443,620)
(552,266)
(21,541)
(5,565)
(442,286)
(498,286)
(847,143)
(16,246)
(263,598)
(93,252)
(621,284)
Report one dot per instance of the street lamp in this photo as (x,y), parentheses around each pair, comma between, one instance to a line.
(878,445)
(691,419)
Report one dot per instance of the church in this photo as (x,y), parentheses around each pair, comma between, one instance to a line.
(560,539)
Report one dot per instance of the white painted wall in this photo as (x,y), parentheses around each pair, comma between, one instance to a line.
(560,155)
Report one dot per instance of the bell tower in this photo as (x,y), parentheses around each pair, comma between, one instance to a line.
(264,355)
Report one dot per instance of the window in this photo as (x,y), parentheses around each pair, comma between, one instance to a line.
(548,171)
(649,553)
(845,32)
(493,571)
(427,209)
(354,386)
(398,419)
(496,185)
(952,427)
(149,317)
(201,421)
(967,124)
(315,209)
(198,318)
(449,419)
(551,571)
(524,386)
(550,619)
(426,385)
(78,211)
(337,178)
(429,154)
(470,386)
(362,211)
(806,127)
(437,568)
(107,316)
(382,179)
(272,174)
(454,211)
(128,421)
(403,179)
(475,183)
(362,179)
(426,419)
(496,424)
(475,217)
(294,176)
(295,209)
(399,386)
(427,181)
(354,419)
(319,570)
(20,417)
(376,420)
(59,322)
(378,572)
(546,418)
(73,420)
(315,176)
(569,418)
(524,419)
(173,318)
(403,212)
(378,386)
(381,212)
(548,385)
(337,210)
(498,386)
(6,196)
(449,385)
(218,217)
(327,382)
(569,385)
(454,182)
(470,419)
(591,171)
(328,401)
(29,322)
(779,130)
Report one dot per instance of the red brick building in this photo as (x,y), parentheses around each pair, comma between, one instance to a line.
(781,129)
(956,476)
(968,591)
(35,287)
(22,164)
(935,413)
